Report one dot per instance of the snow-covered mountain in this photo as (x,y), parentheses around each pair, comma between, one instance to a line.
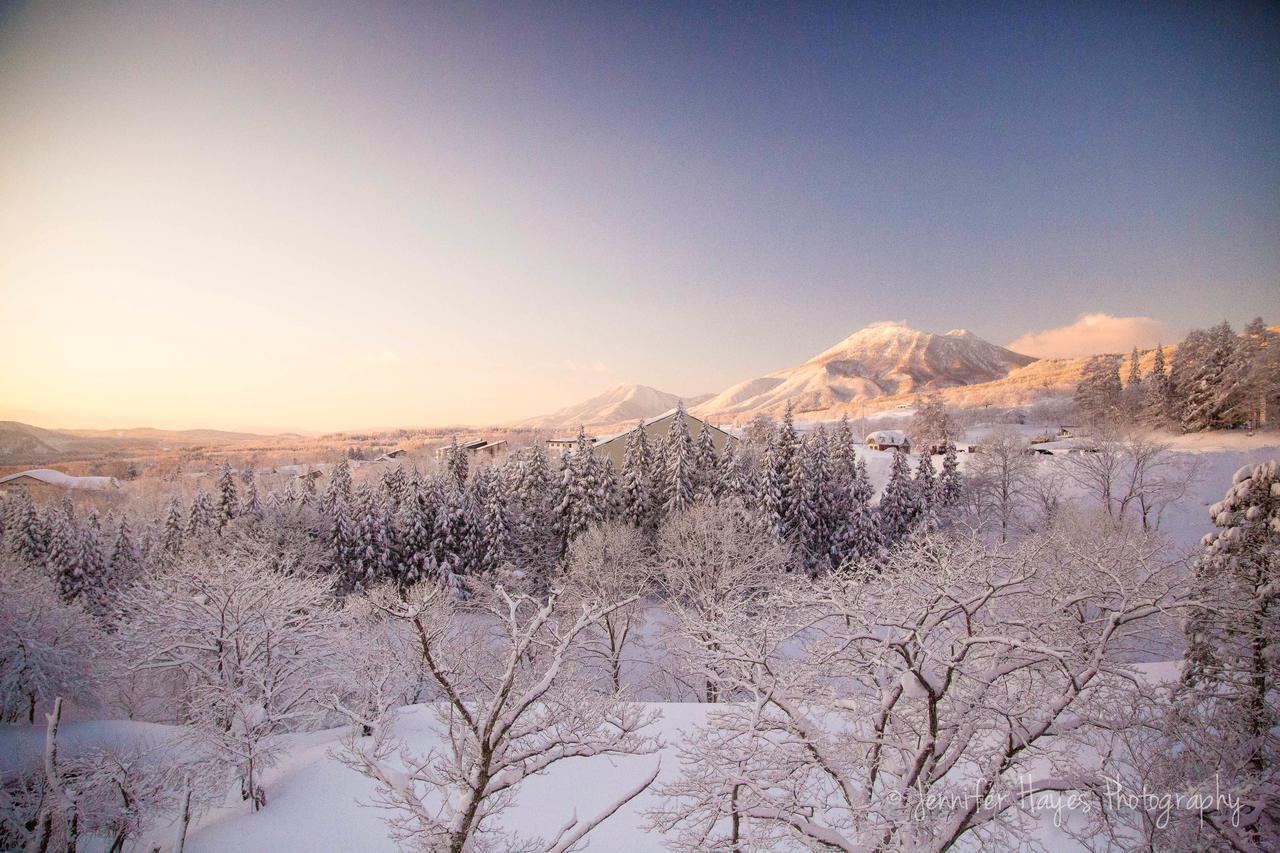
(620,404)
(884,359)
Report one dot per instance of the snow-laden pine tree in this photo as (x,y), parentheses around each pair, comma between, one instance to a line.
(62,552)
(457,463)
(926,483)
(1208,376)
(1099,392)
(1157,403)
(251,504)
(1260,389)
(228,501)
(126,557)
(367,557)
(414,525)
(1232,665)
(950,483)
(680,475)
(202,514)
(453,544)
(29,538)
(1134,391)
(171,533)
(90,564)
(734,486)
(844,454)
(777,500)
(822,506)
(494,503)
(899,507)
(635,489)
(705,466)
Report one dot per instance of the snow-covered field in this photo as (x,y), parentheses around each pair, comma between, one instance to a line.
(317,803)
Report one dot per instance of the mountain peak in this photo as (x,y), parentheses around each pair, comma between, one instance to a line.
(885,358)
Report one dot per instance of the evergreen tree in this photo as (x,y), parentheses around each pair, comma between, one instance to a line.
(1157,393)
(1233,637)
(202,513)
(844,454)
(926,482)
(636,493)
(367,559)
(31,539)
(171,536)
(857,534)
(734,481)
(899,507)
(1209,374)
(88,577)
(816,511)
(496,524)
(335,513)
(706,480)
(415,527)
(681,465)
(126,557)
(458,463)
(251,506)
(62,551)
(1260,386)
(950,485)
(777,501)
(228,503)
(1098,394)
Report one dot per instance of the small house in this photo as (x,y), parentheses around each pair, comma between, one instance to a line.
(889,439)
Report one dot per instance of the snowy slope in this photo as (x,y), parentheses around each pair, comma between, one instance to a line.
(881,360)
(620,404)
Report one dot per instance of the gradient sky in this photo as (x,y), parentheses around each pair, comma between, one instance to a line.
(323,216)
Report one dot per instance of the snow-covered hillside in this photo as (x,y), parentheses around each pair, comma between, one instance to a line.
(884,359)
(620,404)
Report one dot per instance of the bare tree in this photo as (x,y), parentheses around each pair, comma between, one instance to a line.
(923,706)
(714,563)
(252,650)
(510,707)
(998,477)
(47,647)
(611,563)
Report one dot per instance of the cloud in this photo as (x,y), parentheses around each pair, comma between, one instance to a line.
(1093,334)
(590,367)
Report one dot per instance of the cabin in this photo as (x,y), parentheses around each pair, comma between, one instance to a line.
(46,479)
(391,455)
(614,447)
(889,439)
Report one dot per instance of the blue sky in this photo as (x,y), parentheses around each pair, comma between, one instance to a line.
(403,213)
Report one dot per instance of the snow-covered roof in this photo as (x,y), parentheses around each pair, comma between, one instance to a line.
(65,481)
(605,439)
(887,436)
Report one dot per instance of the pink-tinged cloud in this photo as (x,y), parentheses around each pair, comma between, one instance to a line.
(1093,334)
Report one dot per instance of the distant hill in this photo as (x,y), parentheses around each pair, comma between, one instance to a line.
(620,404)
(24,444)
(882,360)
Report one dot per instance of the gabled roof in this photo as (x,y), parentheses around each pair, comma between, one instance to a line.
(65,481)
(650,422)
(887,436)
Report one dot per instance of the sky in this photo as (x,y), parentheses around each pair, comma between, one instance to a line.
(323,216)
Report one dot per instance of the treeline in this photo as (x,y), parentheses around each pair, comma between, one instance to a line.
(1216,379)
(811,492)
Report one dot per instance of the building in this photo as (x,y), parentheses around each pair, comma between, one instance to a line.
(475,447)
(889,439)
(46,479)
(614,447)
(557,447)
